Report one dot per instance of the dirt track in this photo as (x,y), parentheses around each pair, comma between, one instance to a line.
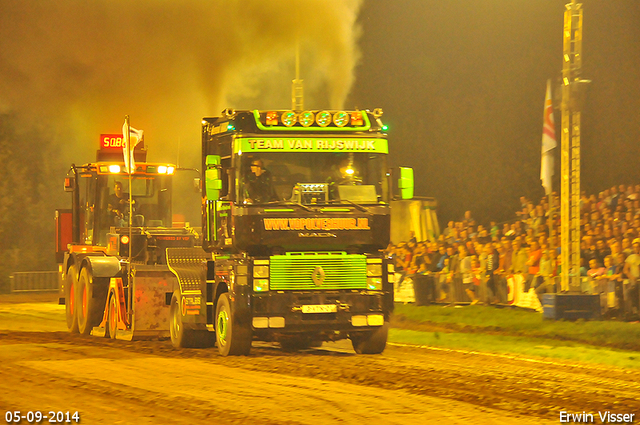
(149,382)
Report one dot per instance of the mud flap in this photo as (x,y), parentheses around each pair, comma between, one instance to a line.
(152,287)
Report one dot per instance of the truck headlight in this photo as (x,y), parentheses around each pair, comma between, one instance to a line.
(260,272)
(374,283)
(260,285)
(374,269)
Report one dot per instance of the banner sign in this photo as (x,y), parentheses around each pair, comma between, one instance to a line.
(304,144)
(337,223)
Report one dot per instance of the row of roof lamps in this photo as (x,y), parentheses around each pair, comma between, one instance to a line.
(149,169)
(308,118)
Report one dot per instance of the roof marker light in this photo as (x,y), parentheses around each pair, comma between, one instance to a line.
(356,118)
(323,118)
(306,118)
(288,118)
(272,118)
(341,118)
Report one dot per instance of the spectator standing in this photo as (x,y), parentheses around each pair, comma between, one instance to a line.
(545,281)
(533,265)
(464,268)
(449,229)
(601,251)
(613,203)
(519,258)
(494,230)
(492,264)
(437,258)
(632,272)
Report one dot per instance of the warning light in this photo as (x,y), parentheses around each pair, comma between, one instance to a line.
(288,118)
(323,118)
(356,118)
(306,118)
(341,118)
(385,127)
(114,169)
(272,118)
(124,239)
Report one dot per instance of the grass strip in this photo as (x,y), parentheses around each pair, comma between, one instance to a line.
(519,346)
(517,322)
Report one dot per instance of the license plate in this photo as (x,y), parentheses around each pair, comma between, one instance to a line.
(322,308)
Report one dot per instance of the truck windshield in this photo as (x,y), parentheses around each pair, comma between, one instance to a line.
(151,195)
(310,178)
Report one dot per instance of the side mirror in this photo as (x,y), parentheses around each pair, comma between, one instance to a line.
(212,180)
(69,183)
(405,183)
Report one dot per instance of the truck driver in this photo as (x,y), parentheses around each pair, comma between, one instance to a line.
(119,204)
(259,184)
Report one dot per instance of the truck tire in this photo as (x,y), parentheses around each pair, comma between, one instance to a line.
(182,337)
(70,292)
(372,342)
(90,301)
(232,338)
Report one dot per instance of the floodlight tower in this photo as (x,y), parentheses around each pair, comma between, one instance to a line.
(572,96)
(297,90)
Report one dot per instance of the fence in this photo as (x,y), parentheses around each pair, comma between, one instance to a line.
(514,290)
(34,281)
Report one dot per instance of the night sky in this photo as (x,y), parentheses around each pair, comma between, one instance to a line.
(462,83)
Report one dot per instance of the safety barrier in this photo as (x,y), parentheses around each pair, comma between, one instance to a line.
(514,289)
(34,281)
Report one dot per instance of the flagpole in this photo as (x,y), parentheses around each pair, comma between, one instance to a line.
(547,164)
(130,172)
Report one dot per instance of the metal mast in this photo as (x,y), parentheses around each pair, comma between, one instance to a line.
(571,105)
(297,92)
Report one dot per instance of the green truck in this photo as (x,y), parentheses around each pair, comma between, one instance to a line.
(296,213)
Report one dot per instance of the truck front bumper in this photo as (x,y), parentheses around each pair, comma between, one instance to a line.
(307,311)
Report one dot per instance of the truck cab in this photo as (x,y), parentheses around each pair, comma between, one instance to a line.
(303,263)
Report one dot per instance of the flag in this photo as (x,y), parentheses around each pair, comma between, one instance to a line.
(548,143)
(130,138)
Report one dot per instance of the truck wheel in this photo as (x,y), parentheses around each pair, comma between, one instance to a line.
(112,317)
(372,342)
(90,302)
(70,289)
(232,338)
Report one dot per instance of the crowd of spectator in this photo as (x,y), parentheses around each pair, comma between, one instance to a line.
(530,246)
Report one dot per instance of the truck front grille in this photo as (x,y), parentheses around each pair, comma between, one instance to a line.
(319,271)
